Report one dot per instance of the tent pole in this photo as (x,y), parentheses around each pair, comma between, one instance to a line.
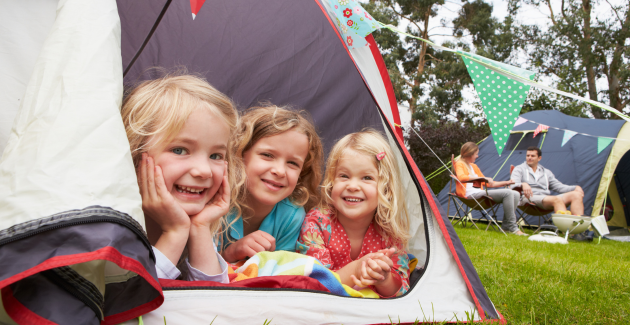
(436,156)
(508,157)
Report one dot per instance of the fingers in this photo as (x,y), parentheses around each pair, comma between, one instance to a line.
(269,240)
(151,179)
(364,270)
(356,281)
(365,279)
(374,270)
(248,251)
(225,185)
(160,186)
(142,176)
(385,265)
(256,247)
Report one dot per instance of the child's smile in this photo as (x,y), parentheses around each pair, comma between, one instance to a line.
(193,162)
(273,165)
(355,193)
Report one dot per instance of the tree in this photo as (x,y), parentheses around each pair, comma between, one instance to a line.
(578,49)
(431,81)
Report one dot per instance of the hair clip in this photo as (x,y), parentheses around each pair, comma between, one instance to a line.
(380,156)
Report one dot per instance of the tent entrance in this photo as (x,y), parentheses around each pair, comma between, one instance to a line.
(521,140)
(618,192)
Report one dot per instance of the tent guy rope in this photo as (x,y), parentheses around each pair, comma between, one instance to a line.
(454,176)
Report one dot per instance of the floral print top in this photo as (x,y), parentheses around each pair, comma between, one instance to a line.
(324,238)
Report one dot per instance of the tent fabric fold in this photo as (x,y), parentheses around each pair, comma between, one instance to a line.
(72,245)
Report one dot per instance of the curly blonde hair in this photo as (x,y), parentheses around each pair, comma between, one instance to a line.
(155,111)
(265,121)
(391,212)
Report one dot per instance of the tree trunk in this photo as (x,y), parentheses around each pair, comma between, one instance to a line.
(615,65)
(421,61)
(587,58)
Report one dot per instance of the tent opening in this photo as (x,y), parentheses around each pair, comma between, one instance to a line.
(518,141)
(618,194)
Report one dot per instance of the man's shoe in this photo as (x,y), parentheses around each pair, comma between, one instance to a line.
(584,236)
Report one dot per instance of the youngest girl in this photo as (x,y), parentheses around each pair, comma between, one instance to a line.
(361,228)
(180,132)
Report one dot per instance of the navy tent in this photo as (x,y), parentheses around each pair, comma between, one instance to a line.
(575,163)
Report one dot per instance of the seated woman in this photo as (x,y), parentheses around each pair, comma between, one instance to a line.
(465,170)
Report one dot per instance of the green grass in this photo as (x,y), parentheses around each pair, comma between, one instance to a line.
(540,283)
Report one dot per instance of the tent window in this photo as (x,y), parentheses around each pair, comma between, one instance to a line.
(527,141)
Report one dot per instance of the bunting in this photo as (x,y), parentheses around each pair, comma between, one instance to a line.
(520,121)
(567,136)
(195,6)
(502,88)
(501,97)
(353,21)
(540,128)
(602,143)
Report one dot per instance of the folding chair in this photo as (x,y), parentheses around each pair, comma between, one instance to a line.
(531,209)
(464,206)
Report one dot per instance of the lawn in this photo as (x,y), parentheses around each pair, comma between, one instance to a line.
(540,283)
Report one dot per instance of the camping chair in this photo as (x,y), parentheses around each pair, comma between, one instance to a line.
(464,206)
(531,209)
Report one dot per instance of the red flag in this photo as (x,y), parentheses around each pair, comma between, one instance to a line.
(195,6)
(540,128)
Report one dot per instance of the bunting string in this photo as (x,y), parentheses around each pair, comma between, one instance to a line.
(580,133)
(500,68)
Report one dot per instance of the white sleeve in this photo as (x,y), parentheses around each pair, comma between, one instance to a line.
(197,275)
(164,267)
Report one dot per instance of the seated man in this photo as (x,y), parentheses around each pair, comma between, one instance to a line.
(537,183)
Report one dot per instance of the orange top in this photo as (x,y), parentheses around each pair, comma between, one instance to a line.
(463,174)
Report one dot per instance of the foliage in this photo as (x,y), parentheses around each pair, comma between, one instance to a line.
(576,53)
(540,283)
(431,82)
(445,138)
(578,49)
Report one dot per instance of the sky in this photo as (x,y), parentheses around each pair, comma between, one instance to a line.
(527,14)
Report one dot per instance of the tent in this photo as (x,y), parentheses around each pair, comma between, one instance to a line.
(576,163)
(288,53)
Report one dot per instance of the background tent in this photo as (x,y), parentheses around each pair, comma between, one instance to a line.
(290,53)
(279,51)
(575,163)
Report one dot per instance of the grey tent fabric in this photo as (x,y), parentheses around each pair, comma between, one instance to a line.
(577,163)
(232,49)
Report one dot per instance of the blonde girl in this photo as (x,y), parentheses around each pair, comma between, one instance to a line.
(361,228)
(282,156)
(180,132)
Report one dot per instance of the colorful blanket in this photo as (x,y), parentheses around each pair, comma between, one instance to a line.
(288,263)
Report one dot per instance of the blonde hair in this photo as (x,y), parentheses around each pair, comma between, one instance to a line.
(266,121)
(156,110)
(468,149)
(391,212)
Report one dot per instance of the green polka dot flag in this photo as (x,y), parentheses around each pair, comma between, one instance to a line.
(501,97)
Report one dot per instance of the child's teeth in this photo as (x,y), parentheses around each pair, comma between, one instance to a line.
(188,189)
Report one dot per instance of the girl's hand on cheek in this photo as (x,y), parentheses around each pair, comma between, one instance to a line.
(218,205)
(157,202)
(248,246)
